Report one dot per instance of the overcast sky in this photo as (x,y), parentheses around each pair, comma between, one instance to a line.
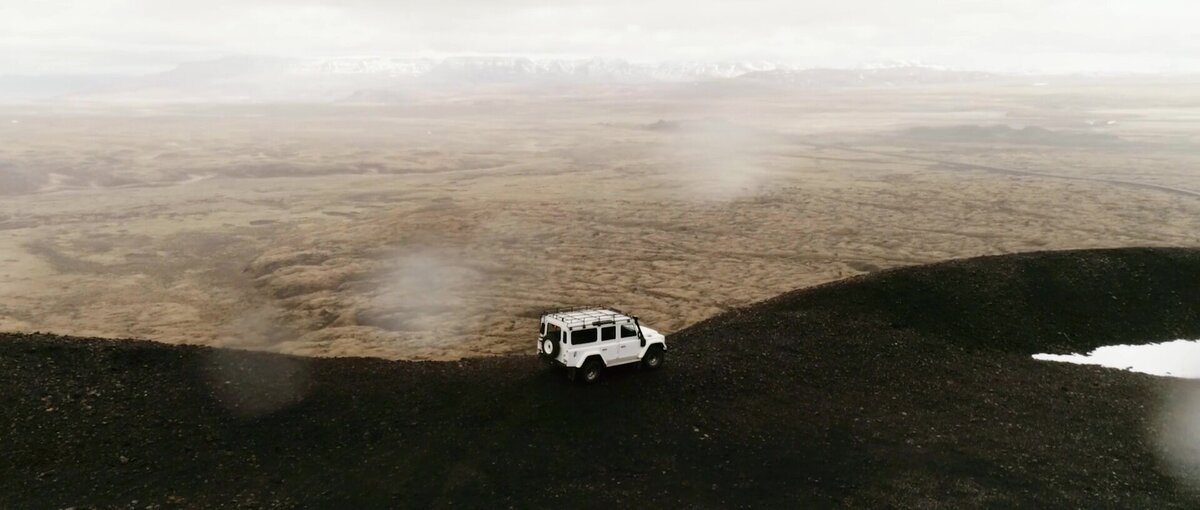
(137,36)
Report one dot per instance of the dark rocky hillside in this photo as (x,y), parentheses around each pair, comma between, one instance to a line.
(911,387)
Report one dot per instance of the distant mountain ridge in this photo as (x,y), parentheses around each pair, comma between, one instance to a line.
(254,78)
(493,67)
(886,76)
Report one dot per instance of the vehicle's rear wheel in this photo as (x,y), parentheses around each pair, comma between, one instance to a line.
(654,358)
(589,372)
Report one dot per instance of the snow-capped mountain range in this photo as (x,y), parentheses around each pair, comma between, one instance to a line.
(492,67)
(356,78)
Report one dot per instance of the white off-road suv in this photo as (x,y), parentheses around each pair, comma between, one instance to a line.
(585,341)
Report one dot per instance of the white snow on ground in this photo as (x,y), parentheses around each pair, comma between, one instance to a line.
(193,178)
(1178,358)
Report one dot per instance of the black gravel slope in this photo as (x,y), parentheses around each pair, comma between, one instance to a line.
(911,387)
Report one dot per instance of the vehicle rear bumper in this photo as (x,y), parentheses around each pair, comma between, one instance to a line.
(554,362)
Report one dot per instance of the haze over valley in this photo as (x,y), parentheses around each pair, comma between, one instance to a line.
(373,211)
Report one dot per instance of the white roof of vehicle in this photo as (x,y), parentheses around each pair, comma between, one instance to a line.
(587,317)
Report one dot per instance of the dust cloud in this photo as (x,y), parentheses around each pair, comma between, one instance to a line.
(712,159)
(258,328)
(255,386)
(1179,431)
(425,297)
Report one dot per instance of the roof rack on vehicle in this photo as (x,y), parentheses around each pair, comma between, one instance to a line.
(578,308)
(578,316)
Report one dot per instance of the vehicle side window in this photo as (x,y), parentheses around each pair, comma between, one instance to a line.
(628,330)
(552,332)
(583,336)
(608,333)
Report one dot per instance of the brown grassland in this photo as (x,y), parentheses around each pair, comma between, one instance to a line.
(439,230)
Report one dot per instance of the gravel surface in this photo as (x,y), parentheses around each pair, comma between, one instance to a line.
(911,387)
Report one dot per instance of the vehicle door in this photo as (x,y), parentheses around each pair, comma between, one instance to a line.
(610,345)
(631,345)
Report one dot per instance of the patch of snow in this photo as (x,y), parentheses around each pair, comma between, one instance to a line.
(193,178)
(54,182)
(902,63)
(1178,358)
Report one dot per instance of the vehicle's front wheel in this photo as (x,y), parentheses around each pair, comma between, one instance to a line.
(590,372)
(654,358)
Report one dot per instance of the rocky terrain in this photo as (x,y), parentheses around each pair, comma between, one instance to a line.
(911,387)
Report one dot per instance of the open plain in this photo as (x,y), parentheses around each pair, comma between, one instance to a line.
(439,228)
